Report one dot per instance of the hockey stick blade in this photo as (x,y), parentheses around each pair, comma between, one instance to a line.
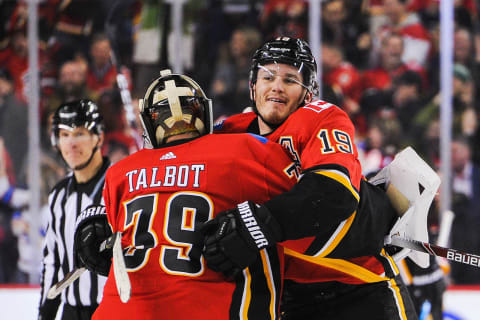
(65,282)
(120,270)
(448,253)
(75,273)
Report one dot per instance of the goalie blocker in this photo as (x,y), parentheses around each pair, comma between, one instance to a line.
(92,229)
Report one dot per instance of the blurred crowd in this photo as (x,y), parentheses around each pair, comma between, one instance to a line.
(380,63)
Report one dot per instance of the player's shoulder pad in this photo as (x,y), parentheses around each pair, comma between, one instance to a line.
(310,113)
(92,211)
(319,106)
(217,126)
(235,123)
(259,138)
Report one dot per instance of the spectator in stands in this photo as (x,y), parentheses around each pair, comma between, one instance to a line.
(230,88)
(117,129)
(464,114)
(407,98)
(69,27)
(12,199)
(15,243)
(463,50)
(13,124)
(212,30)
(466,14)
(14,59)
(378,82)
(285,18)
(374,152)
(389,65)
(345,78)
(417,40)
(14,45)
(429,11)
(71,85)
(345,24)
(463,53)
(465,200)
(7,12)
(102,73)
(399,104)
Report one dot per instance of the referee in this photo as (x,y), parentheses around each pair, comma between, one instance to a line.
(78,136)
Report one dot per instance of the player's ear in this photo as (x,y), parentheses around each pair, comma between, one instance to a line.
(252,92)
(101,139)
(308,97)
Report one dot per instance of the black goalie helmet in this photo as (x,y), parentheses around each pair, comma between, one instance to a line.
(174,104)
(294,52)
(71,115)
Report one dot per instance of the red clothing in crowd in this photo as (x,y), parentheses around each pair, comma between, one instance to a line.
(347,78)
(379,78)
(18,67)
(98,81)
(417,42)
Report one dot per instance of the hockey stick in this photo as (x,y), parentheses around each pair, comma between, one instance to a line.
(431,249)
(76,273)
(120,77)
(65,282)
(120,270)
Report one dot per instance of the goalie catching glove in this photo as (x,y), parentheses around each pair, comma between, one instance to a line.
(91,231)
(234,237)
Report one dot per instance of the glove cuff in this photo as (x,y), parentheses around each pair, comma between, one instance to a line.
(264,230)
(91,212)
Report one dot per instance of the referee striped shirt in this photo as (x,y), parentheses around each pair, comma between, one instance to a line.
(66,200)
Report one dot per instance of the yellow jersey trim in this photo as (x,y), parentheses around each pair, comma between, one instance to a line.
(247,295)
(335,239)
(271,286)
(341,178)
(344,266)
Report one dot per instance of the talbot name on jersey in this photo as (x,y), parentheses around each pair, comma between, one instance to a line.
(464,258)
(252,226)
(181,176)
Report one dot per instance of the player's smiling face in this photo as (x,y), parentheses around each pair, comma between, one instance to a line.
(278,91)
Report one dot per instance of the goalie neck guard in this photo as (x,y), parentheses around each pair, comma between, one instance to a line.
(174,104)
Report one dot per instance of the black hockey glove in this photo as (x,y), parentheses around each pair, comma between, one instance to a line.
(234,237)
(92,229)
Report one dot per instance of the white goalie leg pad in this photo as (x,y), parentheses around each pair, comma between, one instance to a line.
(418,183)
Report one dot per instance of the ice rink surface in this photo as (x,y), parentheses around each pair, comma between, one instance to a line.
(21,303)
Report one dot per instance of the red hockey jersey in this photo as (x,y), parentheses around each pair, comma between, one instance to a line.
(320,138)
(159,197)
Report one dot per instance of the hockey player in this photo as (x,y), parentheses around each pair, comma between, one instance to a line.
(159,197)
(77,133)
(332,210)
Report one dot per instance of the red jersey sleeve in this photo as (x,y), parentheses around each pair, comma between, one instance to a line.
(323,137)
(235,124)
